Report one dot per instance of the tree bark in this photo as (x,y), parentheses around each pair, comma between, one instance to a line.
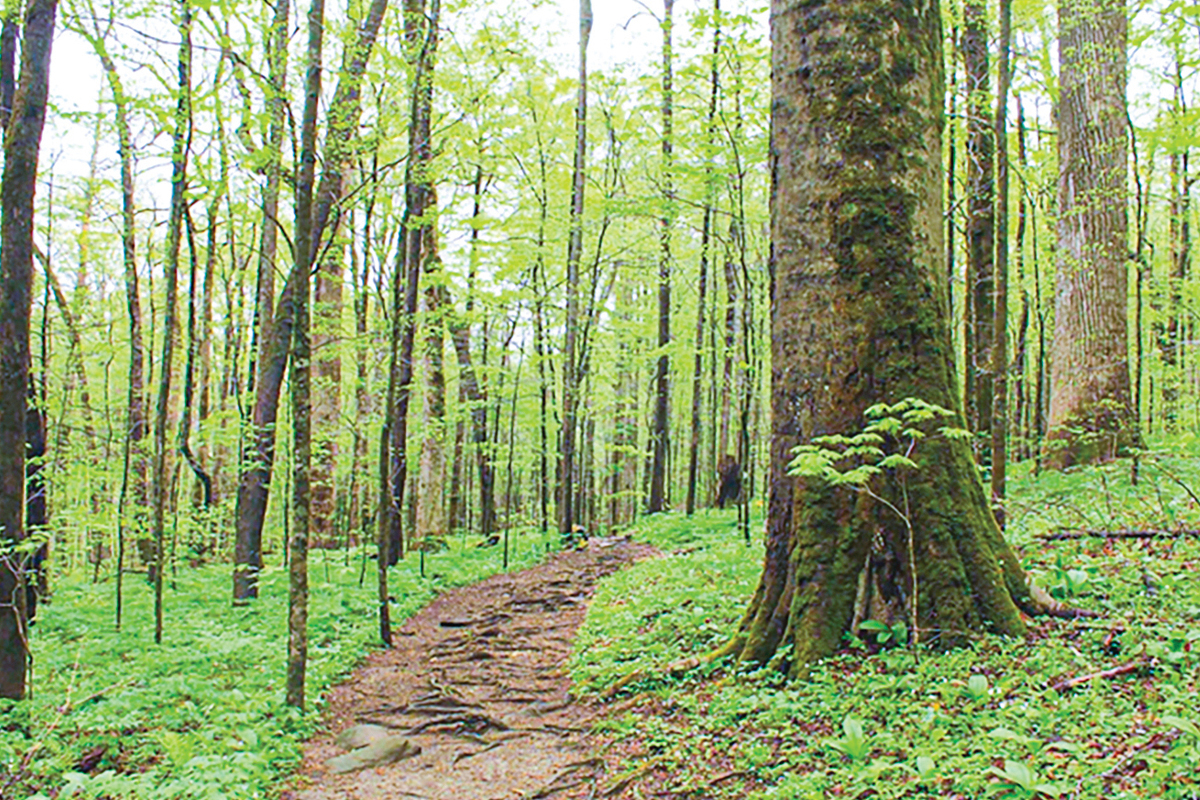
(566,511)
(1090,385)
(981,223)
(662,377)
(431,482)
(999,365)
(857,230)
(22,143)
(421,37)
(327,382)
(301,364)
(705,252)
(179,158)
(256,469)
(254,484)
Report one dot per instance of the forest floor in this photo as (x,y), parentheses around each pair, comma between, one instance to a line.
(473,701)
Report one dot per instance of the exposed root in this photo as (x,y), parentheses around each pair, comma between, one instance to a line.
(1041,604)
(555,786)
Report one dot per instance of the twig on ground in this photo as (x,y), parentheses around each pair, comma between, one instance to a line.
(1115,672)
(1068,535)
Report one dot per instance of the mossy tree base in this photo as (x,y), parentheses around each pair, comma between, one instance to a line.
(859,317)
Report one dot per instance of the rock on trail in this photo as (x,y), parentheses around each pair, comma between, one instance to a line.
(473,701)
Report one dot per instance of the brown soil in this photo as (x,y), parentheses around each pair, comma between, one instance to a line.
(477,680)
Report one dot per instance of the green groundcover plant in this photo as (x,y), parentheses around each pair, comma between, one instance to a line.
(112,715)
(1000,719)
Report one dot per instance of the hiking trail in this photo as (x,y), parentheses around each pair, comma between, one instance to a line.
(473,700)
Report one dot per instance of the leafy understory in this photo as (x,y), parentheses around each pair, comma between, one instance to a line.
(1081,709)
(112,715)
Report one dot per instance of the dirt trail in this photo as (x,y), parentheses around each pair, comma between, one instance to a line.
(477,680)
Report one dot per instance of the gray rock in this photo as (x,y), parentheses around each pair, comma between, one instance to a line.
(360,736)
(388,750)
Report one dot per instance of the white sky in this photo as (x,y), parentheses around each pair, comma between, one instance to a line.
(623,32)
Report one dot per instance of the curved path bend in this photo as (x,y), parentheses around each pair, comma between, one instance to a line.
(473,701)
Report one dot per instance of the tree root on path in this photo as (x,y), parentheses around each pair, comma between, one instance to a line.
(554,787)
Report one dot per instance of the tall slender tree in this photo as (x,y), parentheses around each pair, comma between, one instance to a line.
(253,486)
(570,402)
(301,366)
(999,365)
(420,208)
(660,436)
(180,149)
(706,241)
(256,472)
(981,222)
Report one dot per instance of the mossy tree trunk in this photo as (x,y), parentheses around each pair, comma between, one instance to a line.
(859,318)
(1091,417)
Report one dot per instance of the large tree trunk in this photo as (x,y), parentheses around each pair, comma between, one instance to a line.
(327,383)
(22,143)
(1090,386)
(859,318)
(431,507)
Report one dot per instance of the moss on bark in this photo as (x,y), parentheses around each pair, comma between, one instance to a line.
(859,318)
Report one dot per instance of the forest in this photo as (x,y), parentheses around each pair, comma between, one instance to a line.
(790,401)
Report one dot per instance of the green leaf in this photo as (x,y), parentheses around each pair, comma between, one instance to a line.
(895,461)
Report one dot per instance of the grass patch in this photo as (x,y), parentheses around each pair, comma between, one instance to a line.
(112,715)
(978,722)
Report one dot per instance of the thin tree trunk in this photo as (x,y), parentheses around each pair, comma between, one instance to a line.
(980,222)
(1022,415)
(179,155)
(431,508)
(952,169)
(255,471)
(301,366)
(189,379)
(705,249)
(362,396)
(327,382)
(574,253)
(999,367)
(421,36)
(662,385)
(136,423)
(343,119)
